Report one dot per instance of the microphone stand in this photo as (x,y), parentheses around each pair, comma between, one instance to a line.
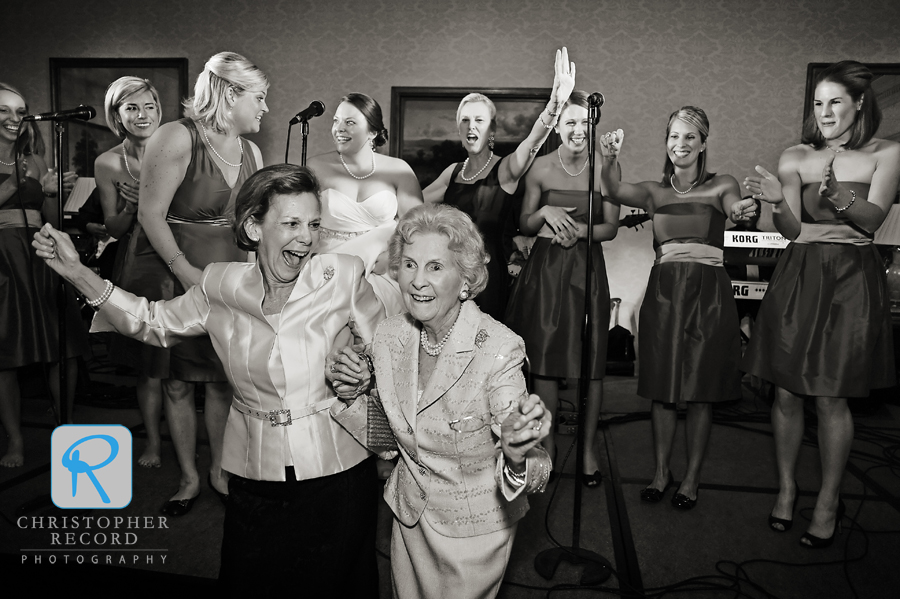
(597,568)
(60,129)
(304,131)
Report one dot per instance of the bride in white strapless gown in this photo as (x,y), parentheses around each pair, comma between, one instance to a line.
(362,229)
(363,194)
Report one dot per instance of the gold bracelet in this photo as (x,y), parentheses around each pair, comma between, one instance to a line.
(173,259)
(515,479)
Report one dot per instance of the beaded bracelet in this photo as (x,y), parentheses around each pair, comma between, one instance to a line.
(173,259)
(545,125)
(95,304)
(515,479)
(852,199)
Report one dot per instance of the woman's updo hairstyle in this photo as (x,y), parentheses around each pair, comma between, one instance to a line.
(372,111)
(856,78)
(225,70)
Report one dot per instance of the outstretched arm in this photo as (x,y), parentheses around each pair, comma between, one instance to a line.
(635,196)
(513,167)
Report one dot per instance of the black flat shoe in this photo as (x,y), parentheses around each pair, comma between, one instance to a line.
(223,497)
(813,542)
(179,507)
(785,524)
(592,480)
(683,502)
(651,495)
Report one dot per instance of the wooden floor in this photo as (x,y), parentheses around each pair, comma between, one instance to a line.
(722,548)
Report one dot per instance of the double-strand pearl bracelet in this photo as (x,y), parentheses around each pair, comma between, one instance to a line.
(95,304)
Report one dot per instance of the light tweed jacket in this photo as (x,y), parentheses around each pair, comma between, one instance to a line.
(452,478)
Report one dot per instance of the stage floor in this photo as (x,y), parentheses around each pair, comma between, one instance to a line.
(724,543)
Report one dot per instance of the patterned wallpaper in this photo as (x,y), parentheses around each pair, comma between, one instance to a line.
(743,62)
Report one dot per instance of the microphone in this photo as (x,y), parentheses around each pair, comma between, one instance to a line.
(84,113)
(596,100)
(314,109)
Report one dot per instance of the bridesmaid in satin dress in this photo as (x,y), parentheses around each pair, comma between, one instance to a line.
(482,186)
(363,193)
(824,326)
(133,114)
(689,329)
(28,333)
(192,172)
(546,306)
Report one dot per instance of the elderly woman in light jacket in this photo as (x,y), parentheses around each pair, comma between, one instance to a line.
(297,514)
(450,381)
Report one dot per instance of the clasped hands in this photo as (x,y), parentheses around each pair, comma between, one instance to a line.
(523,429)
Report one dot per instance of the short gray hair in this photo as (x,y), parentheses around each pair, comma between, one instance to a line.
(465,241)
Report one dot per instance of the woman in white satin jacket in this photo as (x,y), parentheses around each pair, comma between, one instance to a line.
(301,503)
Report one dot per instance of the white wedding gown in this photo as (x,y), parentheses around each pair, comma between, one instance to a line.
(362,229)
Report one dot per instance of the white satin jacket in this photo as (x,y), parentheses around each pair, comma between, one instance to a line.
(269,368)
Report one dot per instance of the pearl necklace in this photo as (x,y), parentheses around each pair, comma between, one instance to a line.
(347,168)
(462,172)
(675,189)
(567,170)
(209,143)
(837,150)
(435,350)
(13,163)
(125,156)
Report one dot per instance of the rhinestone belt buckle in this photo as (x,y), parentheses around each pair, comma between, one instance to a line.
(279,417)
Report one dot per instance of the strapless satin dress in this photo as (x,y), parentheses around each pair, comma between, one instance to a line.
(362,229)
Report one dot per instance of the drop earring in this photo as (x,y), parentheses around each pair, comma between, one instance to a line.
(491,142)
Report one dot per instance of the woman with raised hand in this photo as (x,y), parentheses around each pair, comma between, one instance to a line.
(302,504)
(483,184)
(689,330)
(824,326)
(364,192)
(193,169)
(133,113)
(546,306)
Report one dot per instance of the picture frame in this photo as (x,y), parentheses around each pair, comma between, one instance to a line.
(886,84)
(423,124)
(83,81)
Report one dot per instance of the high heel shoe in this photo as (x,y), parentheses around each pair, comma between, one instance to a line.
(786,524)
(592,480)
(651,495)
(813,542)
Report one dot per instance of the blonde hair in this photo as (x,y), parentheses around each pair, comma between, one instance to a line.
(29,142)
(222,71)
(475,97)
(120,90)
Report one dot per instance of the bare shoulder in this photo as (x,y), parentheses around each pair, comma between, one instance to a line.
(174,137)
(110,160)
(885,147)
(724,182)
(394,165)
(796,154)
(540,168)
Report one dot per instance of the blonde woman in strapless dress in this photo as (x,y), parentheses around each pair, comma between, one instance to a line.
(363,193)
